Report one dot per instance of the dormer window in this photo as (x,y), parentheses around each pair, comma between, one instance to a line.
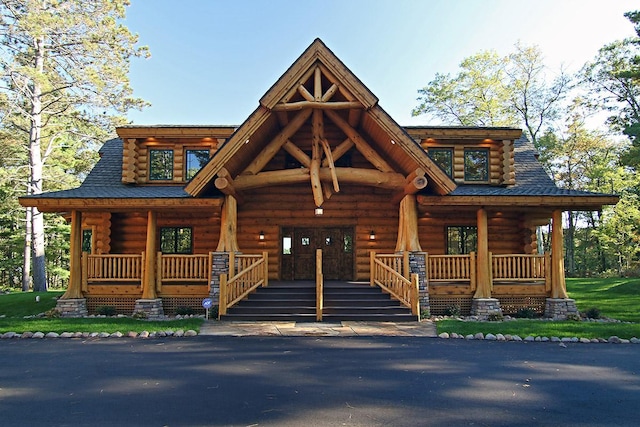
(442,157)
(160,165)
(195,160)
(476,165)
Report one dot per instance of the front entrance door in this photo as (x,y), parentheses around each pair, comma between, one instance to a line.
(299,259)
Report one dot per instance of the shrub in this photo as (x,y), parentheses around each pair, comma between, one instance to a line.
(139,314)
(452,310)
(526,313)
(495,317)
(574,317)
(592,313)
(425,313)
(106,310)
(54,313)
(184,311)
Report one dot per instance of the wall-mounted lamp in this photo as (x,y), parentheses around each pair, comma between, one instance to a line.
(261,235)
(319,211)
(372,235)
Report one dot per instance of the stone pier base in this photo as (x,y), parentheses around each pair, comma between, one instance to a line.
(151,307)
(75,307)
(560,308)
(484,307)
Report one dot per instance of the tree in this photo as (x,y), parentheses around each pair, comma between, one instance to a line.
(64,74)
(493,91)
(613,79)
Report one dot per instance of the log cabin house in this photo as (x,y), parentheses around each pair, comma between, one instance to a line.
(319,184)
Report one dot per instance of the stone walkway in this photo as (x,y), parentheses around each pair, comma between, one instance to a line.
(295,329)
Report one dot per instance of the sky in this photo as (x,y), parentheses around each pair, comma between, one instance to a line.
(212,60)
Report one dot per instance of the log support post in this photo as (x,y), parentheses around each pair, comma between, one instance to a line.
(559,305)
(408,239)
(483,305)
(228,226)
(150,304)
(72,303)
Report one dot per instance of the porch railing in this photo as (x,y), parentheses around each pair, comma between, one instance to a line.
(521,268)
(387,272)
(184,268)
(252,272)
(452,269)
(112,268)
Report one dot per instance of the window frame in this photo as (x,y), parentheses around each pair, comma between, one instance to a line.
(175,250)
(467,175)
(186,161)
(465,246)
(449,168)
(167,174)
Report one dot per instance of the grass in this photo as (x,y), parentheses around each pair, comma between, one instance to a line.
(15,306)
(616,298)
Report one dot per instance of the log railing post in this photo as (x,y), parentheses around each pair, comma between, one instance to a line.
(159,275)
(372,267)
(223,295)
(319,286)
(472,271)
(415,294)
(265,256)
(406,271)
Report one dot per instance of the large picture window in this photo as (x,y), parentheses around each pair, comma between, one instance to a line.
(461,240)
(195,160)
(476,165)
(442,157)
(160,165)
(176,240)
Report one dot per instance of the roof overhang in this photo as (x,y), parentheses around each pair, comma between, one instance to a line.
(53,204)
(565,203)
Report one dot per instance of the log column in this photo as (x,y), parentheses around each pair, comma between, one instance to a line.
(150,304)
(408,226)
(483,304)
(228,226)
(559,305)
(73,303)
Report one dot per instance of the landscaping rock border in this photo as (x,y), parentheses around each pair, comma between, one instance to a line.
(499,337)
(85,335)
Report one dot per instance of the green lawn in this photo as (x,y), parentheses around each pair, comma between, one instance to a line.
(615,298)
(16,306)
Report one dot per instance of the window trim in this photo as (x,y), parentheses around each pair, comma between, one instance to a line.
(151,169)
(486,153)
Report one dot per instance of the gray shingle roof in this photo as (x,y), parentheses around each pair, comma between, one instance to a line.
(105,181)
(531,178)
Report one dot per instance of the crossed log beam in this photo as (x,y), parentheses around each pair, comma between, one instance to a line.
(320,172)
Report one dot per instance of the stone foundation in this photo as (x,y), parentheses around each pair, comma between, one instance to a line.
(484,307)
(151,307)
(220,266)
(75,307)
(559,308)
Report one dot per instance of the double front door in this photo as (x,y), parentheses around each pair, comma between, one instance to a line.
(299,253)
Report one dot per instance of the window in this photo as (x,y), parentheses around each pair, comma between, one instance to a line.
(160,165)
(195,160)
(476,165)
(87,237)
(176,240)
(461,240)
(442,157)
(286,245)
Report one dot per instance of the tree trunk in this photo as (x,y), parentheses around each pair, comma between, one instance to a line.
(570,247)
(26,262)
(35,164)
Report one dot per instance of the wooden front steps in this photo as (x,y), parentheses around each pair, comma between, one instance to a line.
(296,301)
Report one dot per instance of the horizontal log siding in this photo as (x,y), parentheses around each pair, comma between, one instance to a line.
(363,208)
(508,233)
(129,231)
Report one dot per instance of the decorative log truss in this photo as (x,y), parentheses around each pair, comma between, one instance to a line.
(320,169)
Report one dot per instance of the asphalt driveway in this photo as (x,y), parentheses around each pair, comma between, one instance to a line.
(315,381)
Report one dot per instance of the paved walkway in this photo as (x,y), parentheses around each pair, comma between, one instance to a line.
(298,329)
